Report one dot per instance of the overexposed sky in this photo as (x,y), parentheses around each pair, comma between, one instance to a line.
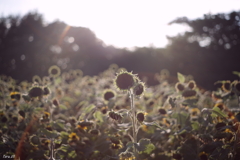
(122,23)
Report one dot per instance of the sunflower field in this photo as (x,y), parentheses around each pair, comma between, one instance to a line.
(117,116)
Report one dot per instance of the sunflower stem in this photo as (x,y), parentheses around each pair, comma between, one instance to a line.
(134,121)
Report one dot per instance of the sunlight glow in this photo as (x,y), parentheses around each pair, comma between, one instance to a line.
(123,23)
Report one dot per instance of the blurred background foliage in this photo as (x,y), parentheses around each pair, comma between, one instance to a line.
(209,52)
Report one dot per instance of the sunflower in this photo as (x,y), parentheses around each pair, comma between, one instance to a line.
(125,80)
(73,137)
(108,94)
(36,79)
(203,156)
(126,156)
(54,71)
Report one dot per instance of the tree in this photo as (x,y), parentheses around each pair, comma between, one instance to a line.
(211,51)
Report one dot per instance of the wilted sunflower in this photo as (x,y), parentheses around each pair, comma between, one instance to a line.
(141,116)
(108,94)
(34,140)
(179,87)
(162,111)
(46,91)
(104,109)
(115,115)
(125,80)
(54,71)
(35,92)
(36,79)
(192,84)
(188,94)
(139,89)
(226,86)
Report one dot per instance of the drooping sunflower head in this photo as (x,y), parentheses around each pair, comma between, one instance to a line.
(46,91)
(34,140)
(141,116)
(125,80)
(108,94)
(139,89)
(179,87)
(35,92)
(189,94)
(192,84)
(226,86)
(162,111)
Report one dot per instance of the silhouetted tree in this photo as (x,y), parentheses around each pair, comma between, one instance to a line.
(211,51)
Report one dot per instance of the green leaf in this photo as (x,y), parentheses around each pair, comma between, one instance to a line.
(59,126)
(89,108)
(63,107)
(195,125)
(153,124)
(181,117)
(145,146)
(72,154)
(66,148)
(181,77)
(98,116)
(217,112)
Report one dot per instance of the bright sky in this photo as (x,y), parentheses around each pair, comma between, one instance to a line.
(122,23)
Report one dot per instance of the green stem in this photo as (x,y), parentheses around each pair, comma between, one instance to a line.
(134,121)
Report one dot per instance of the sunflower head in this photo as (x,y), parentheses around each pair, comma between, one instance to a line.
(203,156)
(54,71)
(15,96)
(34,140)
(108,94)
(125,80)
(226,86)
(162,111)
(139,89)
(126,156)
(35,92)
(192,84)
(73,137)
(46,91)
(36,79)
(141,116)
(189,94)
(115,115)
(179,87)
